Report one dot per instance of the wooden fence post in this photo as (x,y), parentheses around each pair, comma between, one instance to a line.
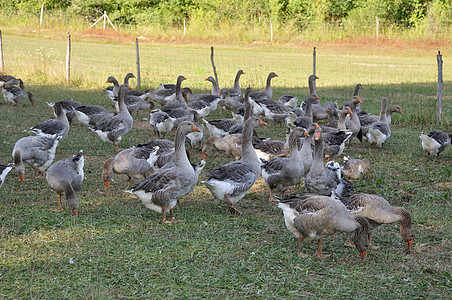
(439,94)
(40,16)
(377,25)
(138,65)
(68,58)
(2,64)
(271,31)
(185,28)
(313,64)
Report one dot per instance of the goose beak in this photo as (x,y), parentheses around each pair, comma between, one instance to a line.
(262,123)
(75,212)
(22,177)
(317,136)
(363,254)
(400,111)
(196,128)
(408,245)
(359,100)
(317,126)
(204,156)
(108,80)
(317,77)
(276,75)
(306,134)
(107,183)
(350,111)
(317,97)
(219,94)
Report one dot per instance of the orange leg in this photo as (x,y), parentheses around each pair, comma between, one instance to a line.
(172,217)
(300,240)
(232,209)
(60,207)
(319,253)
(349,242)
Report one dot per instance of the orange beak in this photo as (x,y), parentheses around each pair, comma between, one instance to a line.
(108,80)
(75,212)
(350,111)
(359,100)
(306,134)
(207,78)
(107,183)
(317,97)
(401,112)
(204,156)
(317,126)
(276,75)
(408,244)
(196,128)
(34,104)
(316,77)
(317,136)
(22,177)
(219,94)
(262,123)
(363,254)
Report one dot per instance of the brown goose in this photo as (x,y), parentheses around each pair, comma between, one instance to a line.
(435,142)
(162,189)
(313,217)
(353,167)
(378,211)
(66,176)
(113,129)
(231,182)
(280,173)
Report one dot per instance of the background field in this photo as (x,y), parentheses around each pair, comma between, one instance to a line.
(118,249)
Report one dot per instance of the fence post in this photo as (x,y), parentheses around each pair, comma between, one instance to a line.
(439,94)
(105,18)
(271,31)
(2,64)
(138,65)
(40,17)
(185,29)
(68,58)
(313,64)
(377,25)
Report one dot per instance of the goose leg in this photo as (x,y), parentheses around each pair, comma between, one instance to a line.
(130,182)
(319,253)
(272,198)
(349,242)
(163,219)
(60,207)
(115,146)
(172,217)
(231,207)
(300,239)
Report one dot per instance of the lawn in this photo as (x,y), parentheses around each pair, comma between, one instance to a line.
(117,248)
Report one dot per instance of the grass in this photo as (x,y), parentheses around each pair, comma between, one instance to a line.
(118,249)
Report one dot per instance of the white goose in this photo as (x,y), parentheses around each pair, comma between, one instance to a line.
(113,129)
(161,191)
(66,176)
(230,183)
(435,142)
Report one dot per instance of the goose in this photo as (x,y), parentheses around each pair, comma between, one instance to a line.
(202,105)
(4,170)
(166,96)
(135,104)
(92,115)
(288,100)
(36,151)
(306,152)
(5,78)
(58,126)
(13,94)
(162,189)
(353,167)
(228,144)
(435,142)
(335,139)
(215,89)
(312,217)
(274,110)
(353,125)
(161,122)
(134,162)
(268,92)
(69,106)
(379,132)
(355,95)
(112,130)
(320,180)
(280,173)
(112,91)
(164,154)
(229,100)
(366,119)
(236,90)
(306,119)
(66,176)
(229,183)
(312,91)
(220,127)
(378,211)
(267,149)
(195,138)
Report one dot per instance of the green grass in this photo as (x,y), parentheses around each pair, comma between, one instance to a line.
(118,249)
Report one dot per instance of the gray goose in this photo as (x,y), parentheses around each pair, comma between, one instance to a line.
(13,94)
(312,217)
(366,119)
(268,92)
(58,126)
(379,132)
(134,162)
(36,151)
(161,122)
(112,130)
(215,89)
(161,190)
(69,106)
(353,167)
(353,124)
(92,115)
(66,176)
(230,183)
(281,173)
(167,96)
(4,170)
(5,78)
(378,211)
(234,93)
(435,142)
(320,180)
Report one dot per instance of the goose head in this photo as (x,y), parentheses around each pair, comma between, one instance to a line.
(360,236)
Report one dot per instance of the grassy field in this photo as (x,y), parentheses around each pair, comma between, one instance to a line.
(117,248)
